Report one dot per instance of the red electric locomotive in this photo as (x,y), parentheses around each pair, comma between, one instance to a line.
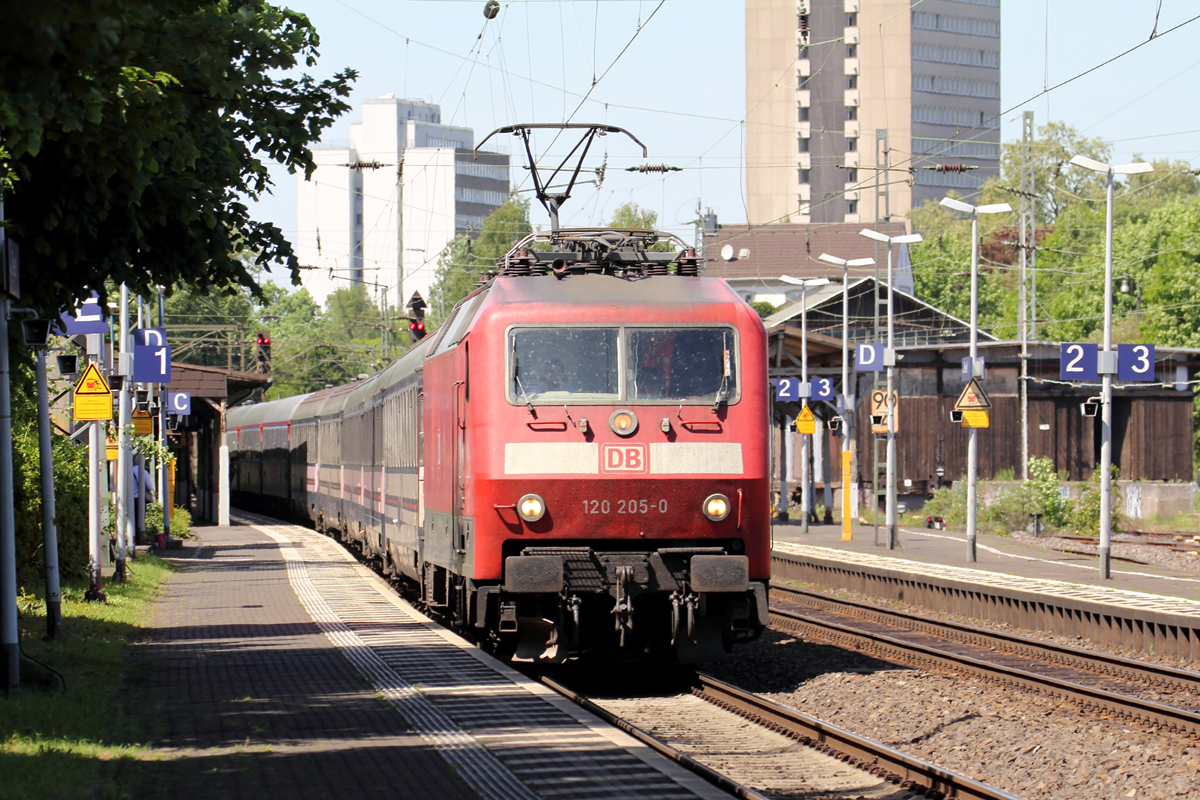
(575,462)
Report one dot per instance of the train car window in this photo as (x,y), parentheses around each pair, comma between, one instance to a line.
(559,365)
(680,365)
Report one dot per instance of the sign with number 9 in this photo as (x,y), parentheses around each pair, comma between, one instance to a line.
(1135,362)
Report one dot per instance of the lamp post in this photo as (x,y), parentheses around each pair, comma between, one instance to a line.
(976,371)
(1107,358)
(847,390)
(805,391)
(889,361)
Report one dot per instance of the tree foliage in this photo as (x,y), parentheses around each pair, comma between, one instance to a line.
(134,132)
(465,259)
(631,215)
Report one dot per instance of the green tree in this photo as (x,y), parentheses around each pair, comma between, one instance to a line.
(631,215)
(135,130)
(465,259)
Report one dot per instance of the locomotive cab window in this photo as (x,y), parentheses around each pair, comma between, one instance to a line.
(560,365)
(680,365)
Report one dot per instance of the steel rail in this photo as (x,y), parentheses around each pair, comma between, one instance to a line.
(707,773)
(885,762)
(1130,669)
(890,648)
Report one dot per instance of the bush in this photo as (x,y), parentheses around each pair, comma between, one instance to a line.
(1085,520)
(1044,495)
(181,523)
(948,503)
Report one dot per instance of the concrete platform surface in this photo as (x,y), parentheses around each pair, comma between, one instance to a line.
(278,666)
(945,552)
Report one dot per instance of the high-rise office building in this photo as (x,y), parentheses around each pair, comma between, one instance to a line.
(827,79)
(380,209)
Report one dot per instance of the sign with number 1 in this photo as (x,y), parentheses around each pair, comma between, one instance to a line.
(1135,362)
(152,363)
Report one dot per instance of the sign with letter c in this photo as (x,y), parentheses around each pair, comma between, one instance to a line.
(179,404)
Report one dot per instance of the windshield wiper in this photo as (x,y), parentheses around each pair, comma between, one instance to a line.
(516,377)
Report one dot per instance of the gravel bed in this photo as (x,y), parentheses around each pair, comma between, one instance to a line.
(1029,745)
(1162,556)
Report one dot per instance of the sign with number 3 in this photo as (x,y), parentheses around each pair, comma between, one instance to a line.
(1135,362)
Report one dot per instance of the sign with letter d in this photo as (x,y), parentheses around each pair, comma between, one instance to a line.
(868,357)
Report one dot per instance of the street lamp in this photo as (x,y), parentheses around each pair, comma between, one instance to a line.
(847,390)
(976,371)
(805,391)
(889,361)
(1108,362)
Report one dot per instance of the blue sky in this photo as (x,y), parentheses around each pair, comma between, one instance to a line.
(680,85)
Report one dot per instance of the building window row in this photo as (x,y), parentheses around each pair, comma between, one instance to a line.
(490,198)
(497,172)
(949,24)
(803,112)
(947,180)
(967,57)
(434,141)
(951,147)
(989,3)
(467,222)
(805,176)
(963,87)
(958,117)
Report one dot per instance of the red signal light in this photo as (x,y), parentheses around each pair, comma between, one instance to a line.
(420,326)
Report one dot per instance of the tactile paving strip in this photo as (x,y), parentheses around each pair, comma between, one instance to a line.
(1120,598)
(507,740)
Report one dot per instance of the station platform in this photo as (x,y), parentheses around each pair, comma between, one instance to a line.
(279,666)
(1141,607)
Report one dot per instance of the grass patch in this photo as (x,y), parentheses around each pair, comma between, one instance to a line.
(56,745)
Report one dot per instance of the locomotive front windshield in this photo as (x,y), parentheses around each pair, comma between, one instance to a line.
(584,365)
(680,365)
(576,365)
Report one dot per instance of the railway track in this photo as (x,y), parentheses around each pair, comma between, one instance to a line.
(1133,691)
(784,753)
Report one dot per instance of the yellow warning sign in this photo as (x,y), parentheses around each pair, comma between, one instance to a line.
(975,418)
(847,497)
(806,422)
(143,424)
(972,396)
(92,399)
(111,451)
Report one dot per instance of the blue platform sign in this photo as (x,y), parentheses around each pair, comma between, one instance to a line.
(149,337)
(787,389)
(87,319)
(179,403)
(868,357)
(1135,362)
(151,363)
(1078,362)
(822,389)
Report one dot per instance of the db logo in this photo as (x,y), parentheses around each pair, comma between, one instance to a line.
(624,458)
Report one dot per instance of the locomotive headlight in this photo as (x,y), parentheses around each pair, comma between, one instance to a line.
(623,422)
(716,507)
(531,508)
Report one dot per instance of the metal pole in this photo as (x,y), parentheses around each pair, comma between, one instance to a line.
(139,463)
(49,531)
(164,476)
(847,407)
(1022,287)
(121,523)
(972,444)
(96,462)
(8,525)
(1106,394)
(805,471)
(893,539)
